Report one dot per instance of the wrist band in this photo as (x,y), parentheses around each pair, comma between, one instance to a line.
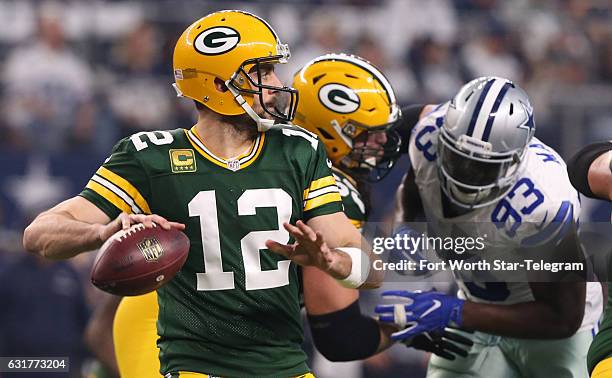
(360,267)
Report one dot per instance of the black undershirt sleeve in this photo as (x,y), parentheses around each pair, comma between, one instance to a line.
(410,117)
(345,335)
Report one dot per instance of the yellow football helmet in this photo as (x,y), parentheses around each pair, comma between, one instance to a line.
(227,46)
(343,98)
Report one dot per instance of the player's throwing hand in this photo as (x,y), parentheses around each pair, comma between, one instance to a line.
(125,221)
(310,249)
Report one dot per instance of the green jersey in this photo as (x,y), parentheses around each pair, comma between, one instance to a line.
(354,207)
(601,347)
(233,309)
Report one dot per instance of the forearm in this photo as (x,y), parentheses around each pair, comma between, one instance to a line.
(385,336)
(57,235)
(338,232)
(530,320)
(345,263)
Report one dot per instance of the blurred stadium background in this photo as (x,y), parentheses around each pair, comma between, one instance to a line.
(77,76)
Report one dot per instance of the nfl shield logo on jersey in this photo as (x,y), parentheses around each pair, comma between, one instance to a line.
(151,249)
(233,165)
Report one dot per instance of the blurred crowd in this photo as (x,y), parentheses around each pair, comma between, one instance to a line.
(77,76)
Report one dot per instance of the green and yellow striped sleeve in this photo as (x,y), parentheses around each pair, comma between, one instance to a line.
(120,184)
(321,195)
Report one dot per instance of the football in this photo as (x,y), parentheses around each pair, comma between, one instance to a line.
(139,260)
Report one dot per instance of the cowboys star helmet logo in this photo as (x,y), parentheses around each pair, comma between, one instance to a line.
(529,124)
(216,40)
(339,98)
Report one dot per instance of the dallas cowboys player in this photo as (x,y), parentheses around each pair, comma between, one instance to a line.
(474,159)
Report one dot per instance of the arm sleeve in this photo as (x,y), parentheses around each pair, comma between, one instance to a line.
(120,184)
(321,195)
(579,164)
(345,335)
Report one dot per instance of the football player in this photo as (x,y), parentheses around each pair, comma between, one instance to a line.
(590,171)
(351,106)
(333,311)
(236,183)
(479,171)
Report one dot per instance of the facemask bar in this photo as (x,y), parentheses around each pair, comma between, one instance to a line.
(477,196)
(376,161)
(278,114)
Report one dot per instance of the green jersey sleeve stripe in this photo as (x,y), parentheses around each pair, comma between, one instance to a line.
(125,186)
(109,196)
(322,200)
(322,191)
(120,193)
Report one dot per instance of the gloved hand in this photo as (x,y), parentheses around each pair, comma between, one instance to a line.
(420,312)
(442,344)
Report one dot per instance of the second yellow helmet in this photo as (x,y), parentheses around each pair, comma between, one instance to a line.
(344,98)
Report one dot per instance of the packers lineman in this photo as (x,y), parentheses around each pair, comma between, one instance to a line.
(237,183)
(351,106)
(479,171)
(590,171)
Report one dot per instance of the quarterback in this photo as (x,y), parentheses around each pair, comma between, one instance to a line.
(237,183)
(475,160)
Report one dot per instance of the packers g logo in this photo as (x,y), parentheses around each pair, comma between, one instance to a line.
(216,40)
(339,98)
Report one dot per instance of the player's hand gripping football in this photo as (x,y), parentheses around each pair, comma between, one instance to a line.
(125,220)
(310,249)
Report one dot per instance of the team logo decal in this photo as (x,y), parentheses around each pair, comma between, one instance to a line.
(528,124)
(216,40)
(339,98)
(182,160)
(151,249)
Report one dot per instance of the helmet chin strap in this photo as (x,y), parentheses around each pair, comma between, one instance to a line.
(263,124)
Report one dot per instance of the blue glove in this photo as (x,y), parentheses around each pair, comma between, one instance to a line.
(416,255)
(420,312)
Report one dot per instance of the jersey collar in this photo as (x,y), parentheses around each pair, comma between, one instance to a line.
(232,164)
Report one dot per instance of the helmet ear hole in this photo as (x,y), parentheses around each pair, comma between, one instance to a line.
(220,85)
(317,78)
(324,133)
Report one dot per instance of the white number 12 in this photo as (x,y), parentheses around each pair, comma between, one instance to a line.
(204,206)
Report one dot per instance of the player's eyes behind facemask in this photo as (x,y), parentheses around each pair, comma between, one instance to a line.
(261,76)
(468,171)
(375,149)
